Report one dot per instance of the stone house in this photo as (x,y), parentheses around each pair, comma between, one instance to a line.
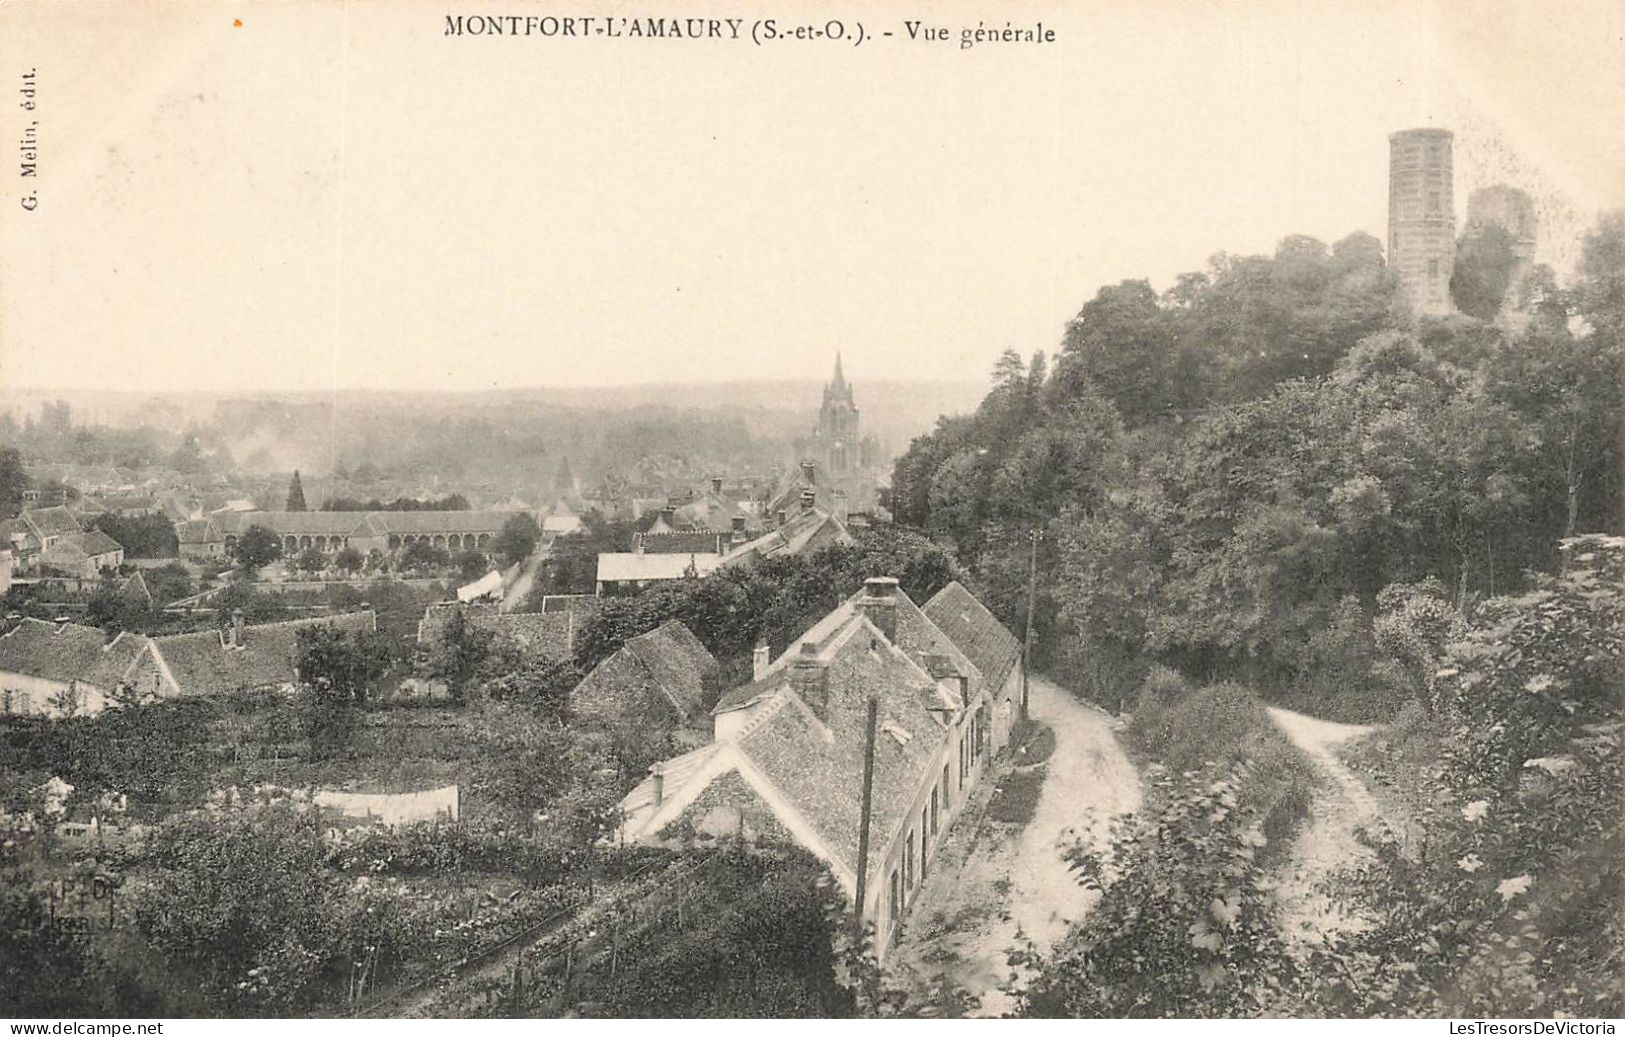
(786,762)
(201,540)
(63,669)
(83,555)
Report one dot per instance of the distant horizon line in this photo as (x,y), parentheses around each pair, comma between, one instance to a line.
(13,389)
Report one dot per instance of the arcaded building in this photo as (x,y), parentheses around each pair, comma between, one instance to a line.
(1422,217)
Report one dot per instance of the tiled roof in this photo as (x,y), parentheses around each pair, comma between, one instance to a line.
(747,694)
(45,522)
(95,542)
(583,605)
(79,548)
(546,633)
(677,661)
(712,511)
(806,531)
(817,766)
(68,652)
(203,663)
(442,521)
(915,635)
(199,531)
(312,523)
(674,773)
(671,658)
(694,542)
(993,649)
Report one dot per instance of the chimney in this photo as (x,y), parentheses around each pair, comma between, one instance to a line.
(807,469)
(716,484)
(809,497)
(236,628)
(809,680)
(669,515)
(759,660)
(659,775)
(879,604)
(778,517)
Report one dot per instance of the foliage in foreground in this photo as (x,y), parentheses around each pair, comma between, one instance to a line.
(1515,905)
(1225,725)
(1511,905)
(1184,928)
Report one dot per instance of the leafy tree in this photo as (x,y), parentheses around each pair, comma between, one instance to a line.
(518,538)
(1486,260)
(470,564)
(169,582)
(1512,907)
(420,554)
(1599,296)
(311,560)
(1186,929)
(1122,342)
(346,664)
(256,546)
(571,566)
(464,649)
(348,560)
(337,673)
(110,609)
(145,536)
(13,481)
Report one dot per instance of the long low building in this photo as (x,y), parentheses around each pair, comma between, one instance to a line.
(787,762)
(65,669)
(365,531)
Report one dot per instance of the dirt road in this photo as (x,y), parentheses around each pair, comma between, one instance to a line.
(1328,844)
(514,597)
(996,881)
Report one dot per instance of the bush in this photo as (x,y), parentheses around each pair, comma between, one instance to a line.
(1225,725)
(1184,926)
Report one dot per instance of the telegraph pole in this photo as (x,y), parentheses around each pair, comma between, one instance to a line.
(863,822)
(1033,536)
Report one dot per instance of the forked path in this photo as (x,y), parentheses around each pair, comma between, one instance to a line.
(1328,843)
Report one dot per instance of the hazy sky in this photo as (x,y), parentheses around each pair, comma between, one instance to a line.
(338,195)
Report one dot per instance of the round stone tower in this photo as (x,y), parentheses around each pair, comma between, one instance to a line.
(1422,217)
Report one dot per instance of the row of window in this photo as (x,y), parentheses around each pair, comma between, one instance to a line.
(917,844)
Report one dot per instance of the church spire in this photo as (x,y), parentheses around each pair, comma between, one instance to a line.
(838,383)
